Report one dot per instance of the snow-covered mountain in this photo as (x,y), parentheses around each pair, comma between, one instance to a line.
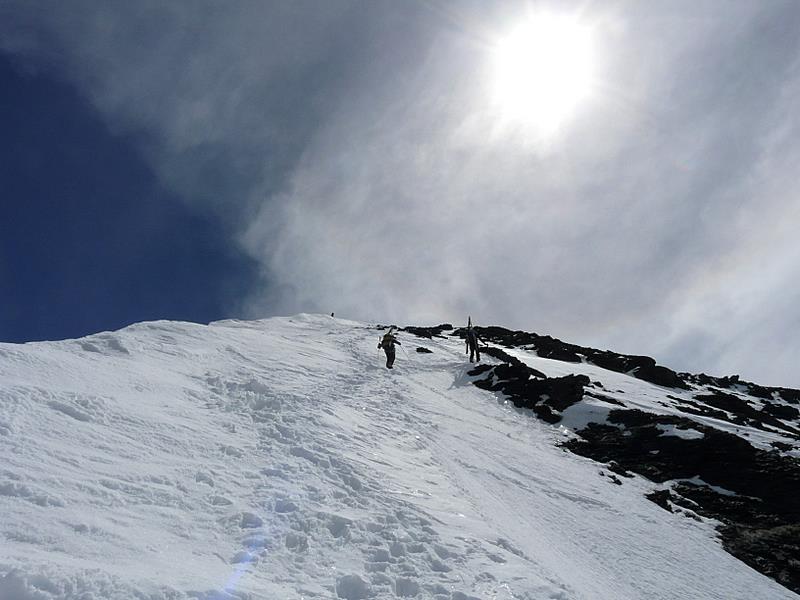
(279,459)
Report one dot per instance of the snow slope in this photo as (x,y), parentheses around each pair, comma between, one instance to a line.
(279,459)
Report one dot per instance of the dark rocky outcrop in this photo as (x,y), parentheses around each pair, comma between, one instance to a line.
(545,346)
(428,332)
(660,375)
(780,411)
(735,409)
(708,380)
(422,350)
(781,446)
(781,546)
(528,388)
(522,369)
(664,498)
(604,398)
(754,494)
(789,395)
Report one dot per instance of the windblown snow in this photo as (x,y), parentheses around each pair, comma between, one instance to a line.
(279,459)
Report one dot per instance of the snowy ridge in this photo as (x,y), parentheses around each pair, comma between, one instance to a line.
(280,459)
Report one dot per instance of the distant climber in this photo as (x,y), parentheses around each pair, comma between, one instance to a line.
(387,342)
(472,341)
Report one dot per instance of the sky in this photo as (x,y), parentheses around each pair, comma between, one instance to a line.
(396,162)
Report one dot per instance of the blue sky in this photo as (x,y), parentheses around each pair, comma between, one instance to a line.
(89,239)
(206,160)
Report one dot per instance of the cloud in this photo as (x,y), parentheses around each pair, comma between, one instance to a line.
(222,97)
(353,149)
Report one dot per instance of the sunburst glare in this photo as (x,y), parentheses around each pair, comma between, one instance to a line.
(542,70)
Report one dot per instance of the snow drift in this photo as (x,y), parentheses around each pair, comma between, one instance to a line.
(279,459)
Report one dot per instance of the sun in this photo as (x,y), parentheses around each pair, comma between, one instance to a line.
(543,69)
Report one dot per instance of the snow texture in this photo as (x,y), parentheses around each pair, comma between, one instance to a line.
(279,459)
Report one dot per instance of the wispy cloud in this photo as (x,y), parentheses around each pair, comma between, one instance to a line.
(354,150)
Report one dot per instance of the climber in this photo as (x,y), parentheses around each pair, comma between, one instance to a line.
(472,342)
(387,342)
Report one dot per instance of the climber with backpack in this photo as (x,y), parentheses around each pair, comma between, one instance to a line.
(387,342)
(472,341)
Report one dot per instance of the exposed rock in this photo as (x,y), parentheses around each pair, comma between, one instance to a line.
(662,498)
(545,346)
(740,411)
(789,395)
(620,363)
(660,376)
(781,446)
(529,388)
(642,367)
(781,411)
(604,398)
(708,380)
(780,544)
(752,492)
(428,332)
(524,370)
